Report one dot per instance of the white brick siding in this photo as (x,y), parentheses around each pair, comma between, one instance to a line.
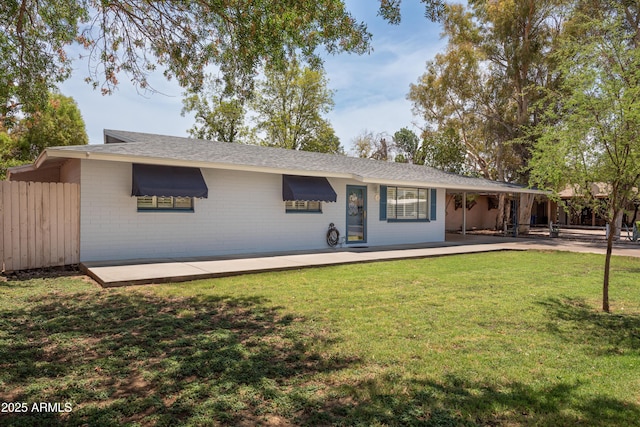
(244,213)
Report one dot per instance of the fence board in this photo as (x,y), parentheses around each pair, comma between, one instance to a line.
(53,224)
(6,226)
(31,227)
(15,228)
(75,221)
(46,225)
(68,240)
(37,219)
(23,221)
(60,223)
(40,225)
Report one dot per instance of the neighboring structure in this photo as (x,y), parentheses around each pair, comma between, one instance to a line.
(577,211)
(151,196)
(574,211)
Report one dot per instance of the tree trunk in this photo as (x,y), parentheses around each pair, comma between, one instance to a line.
(607,268)
(614,234)
(500,216)
(524,214)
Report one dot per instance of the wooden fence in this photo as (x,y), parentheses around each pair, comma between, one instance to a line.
(39,225)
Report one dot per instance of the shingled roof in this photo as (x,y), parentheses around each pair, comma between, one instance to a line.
(171,150)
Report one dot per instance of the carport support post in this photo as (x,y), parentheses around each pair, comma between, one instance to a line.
(464,213)
(515,214)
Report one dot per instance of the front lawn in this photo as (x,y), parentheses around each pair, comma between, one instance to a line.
(497,339)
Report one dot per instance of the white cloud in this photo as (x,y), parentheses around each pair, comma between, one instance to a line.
(371,90)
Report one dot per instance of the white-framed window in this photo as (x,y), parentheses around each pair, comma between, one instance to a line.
(407,204)
(294,206)
(158,203)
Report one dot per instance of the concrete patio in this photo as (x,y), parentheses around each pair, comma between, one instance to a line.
(147,271)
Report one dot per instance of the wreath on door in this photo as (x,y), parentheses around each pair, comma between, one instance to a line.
(353,204)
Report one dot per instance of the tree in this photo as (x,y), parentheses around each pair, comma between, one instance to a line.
(483,85)
(597,110)
(324,140)
(363,144)
(517,39)
(32,52)
(58,124)
(289,105)
(182,37)
(218,116)
(8,152)
(373,146)
(444,151)
(456,94)
(408,144)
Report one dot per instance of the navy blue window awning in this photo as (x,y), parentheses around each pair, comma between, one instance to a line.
(166,181)
(307,188)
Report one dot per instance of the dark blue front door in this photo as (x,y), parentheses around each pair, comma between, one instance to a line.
(356,214)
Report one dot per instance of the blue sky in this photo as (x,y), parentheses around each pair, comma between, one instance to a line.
(369,90)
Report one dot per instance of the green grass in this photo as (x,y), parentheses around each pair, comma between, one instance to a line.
(508,339)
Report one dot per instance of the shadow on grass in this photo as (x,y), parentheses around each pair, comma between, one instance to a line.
(21,278)
(606,333)
(127,357)
(454,401)
(135,358)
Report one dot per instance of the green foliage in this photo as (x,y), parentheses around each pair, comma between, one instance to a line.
(33,38)
(407,142)
(289,105)
(390,10)
(481,86)
(323,140)
(597,135)
(444,151)
(59,123)
(441,150)
(596,138)
(8,154)
(286,106)
(219,117)
(181,37)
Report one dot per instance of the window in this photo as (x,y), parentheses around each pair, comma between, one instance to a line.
(407,204)
(157,203)
(293,206)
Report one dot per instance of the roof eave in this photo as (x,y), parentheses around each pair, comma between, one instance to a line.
(16,170)
(128,158)
(40,160)
(125,158)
